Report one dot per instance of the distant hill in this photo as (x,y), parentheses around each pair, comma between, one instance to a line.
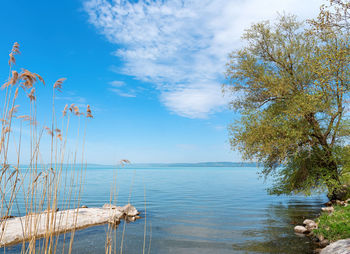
(157,165)
(198,164)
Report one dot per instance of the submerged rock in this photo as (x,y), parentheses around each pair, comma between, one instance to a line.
(338,247)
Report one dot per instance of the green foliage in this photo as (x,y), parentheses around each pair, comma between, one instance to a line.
(345,174)
(335,226)
(290,84)
(308,172)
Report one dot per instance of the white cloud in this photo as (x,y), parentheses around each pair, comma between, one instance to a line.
(72,99)
(119,87)
(195,100)
(182,46)
(130,93)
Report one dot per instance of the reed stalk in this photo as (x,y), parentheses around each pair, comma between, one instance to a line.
(32,189)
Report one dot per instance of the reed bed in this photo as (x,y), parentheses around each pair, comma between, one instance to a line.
(114,241)
(52,176)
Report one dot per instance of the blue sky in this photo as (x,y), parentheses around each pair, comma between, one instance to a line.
(151,70)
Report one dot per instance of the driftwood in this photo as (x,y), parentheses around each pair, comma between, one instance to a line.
(18,229)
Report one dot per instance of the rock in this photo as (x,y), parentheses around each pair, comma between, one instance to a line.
(310,224)
(311,233)
(109,206)
(318,250)
(307,221)
(338,247)
(129,210)
(131,219)
(340,203)
(51,210)
(301,230)
(7,217)
(320,238)
(115,219)
(83,206)
(328,209)
(323,243)
(329,203)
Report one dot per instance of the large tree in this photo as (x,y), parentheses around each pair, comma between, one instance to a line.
(291,84)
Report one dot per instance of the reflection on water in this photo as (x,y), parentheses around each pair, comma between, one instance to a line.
(277,235)
(197,210)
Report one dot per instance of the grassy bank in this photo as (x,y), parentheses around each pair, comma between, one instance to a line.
(335,226)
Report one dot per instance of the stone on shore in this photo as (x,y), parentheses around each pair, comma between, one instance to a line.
(130,210)
(323,243)
(301,230)
(329,209)
(109,206)
(310,224)
(338,247)
(307,221)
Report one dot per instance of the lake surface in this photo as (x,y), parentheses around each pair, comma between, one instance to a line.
(195,210)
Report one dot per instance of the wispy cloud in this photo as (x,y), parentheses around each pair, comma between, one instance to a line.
(182,46)
(117,83)
(130,93)
(71,99)
(119,87)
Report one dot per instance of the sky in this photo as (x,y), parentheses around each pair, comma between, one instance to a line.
(151,70)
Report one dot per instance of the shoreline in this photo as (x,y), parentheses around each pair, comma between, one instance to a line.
(310,227)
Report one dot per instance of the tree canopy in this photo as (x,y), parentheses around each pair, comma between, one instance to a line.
(291,84)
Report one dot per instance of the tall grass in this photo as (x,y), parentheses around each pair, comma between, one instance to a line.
(52,177)
(115,243)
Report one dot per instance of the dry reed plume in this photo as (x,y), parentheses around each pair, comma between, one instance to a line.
(38,186)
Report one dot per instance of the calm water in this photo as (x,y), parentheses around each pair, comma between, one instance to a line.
(196,210)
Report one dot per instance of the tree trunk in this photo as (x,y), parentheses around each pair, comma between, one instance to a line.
(335,189)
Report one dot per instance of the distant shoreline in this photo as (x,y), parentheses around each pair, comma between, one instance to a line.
(140,165)
(198,164)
